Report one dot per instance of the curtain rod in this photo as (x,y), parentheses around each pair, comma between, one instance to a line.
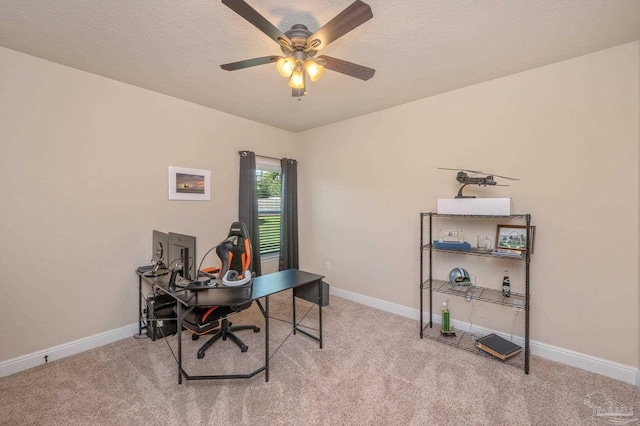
(265,156)
(270,158)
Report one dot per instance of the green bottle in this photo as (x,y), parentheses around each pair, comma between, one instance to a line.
(446,326)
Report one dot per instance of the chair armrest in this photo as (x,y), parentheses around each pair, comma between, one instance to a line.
(211,270)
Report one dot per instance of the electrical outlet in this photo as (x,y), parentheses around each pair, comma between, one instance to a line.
(518,305)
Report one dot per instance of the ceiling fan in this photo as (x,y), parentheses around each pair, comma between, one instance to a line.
(300,46)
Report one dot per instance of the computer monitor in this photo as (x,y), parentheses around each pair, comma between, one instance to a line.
(160,248)
(182,254)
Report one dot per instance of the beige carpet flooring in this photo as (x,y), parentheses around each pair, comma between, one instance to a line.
(373,370)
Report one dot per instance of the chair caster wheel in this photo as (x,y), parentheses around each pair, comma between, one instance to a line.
(200,355)
(256,330)
(194,337)
(244,348)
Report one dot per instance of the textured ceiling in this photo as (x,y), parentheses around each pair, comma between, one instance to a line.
(418,47)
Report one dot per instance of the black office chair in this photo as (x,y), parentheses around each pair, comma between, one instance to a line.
(234,256)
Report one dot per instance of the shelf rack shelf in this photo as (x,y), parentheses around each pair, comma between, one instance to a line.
(475,252)
(483,294)
(466,340)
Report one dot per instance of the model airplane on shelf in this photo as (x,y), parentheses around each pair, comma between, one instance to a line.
(464,178)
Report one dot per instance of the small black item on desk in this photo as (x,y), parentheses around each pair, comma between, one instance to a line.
(172,280)
(201,283)
(208,273)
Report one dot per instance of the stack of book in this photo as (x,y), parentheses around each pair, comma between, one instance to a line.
(507,252)
(497,346)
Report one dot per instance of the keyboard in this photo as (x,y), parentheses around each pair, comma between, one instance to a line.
(158,273)
(146,271)
(143,269)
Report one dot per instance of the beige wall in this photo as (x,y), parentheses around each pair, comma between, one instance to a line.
(568,130)
(83,166)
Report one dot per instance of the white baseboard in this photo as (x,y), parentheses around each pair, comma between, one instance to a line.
(594,364)
(34,359)
(602,366)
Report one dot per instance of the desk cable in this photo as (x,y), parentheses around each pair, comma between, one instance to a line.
(291,332)
(144,319)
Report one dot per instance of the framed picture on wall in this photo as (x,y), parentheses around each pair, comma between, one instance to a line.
(514,237)
(189,184)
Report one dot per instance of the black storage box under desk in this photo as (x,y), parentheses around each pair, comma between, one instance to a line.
(161,319)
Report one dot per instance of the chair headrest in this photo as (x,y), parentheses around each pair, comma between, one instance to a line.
(238,229)
(235,255)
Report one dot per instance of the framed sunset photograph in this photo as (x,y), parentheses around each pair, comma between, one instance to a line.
(189,184)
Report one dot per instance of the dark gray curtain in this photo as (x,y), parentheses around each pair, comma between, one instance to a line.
(289,229)
(248,208)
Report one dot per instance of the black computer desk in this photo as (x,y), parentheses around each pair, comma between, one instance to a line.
(263,287)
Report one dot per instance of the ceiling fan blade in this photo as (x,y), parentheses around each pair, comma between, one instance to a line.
(259,21)
(249,63)
(348,68)
(353,16)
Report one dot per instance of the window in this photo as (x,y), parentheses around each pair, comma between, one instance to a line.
(269,186)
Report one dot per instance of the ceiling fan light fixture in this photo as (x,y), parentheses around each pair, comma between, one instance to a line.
(285,66)
(314,69)
(297,79)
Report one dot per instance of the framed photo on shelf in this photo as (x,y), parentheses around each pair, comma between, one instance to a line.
(189,184)
(514,237)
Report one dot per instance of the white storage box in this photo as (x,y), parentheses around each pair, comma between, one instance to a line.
(475,206)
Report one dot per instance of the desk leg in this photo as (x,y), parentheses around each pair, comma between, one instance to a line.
(179,325)
(139,305)
(293,300)
(266,340)
(320,286)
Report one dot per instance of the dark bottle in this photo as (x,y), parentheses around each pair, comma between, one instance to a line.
(506,284)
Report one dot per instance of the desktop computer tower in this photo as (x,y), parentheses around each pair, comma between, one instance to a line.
(161,320)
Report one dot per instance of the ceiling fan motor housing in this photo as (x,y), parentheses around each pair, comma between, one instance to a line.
(299,49)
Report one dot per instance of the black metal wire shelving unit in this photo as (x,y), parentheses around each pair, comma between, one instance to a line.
(463,339)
